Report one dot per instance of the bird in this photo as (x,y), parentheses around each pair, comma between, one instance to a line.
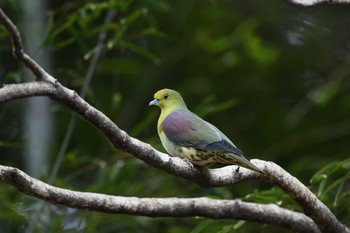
(186,135)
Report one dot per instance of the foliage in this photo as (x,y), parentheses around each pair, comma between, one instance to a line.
(273,77)
(333,188)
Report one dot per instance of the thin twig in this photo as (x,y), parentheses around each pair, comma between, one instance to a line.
(38,71)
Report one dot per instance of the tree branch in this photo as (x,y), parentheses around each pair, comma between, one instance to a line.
(18,52)
(48,86)
(315,2)
(158,207)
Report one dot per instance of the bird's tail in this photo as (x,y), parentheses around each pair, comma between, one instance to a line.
(244,162)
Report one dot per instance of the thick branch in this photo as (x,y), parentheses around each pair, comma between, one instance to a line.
(158,207)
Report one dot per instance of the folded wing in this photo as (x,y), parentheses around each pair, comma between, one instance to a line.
(186,129)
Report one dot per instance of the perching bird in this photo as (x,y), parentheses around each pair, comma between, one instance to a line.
(186,135)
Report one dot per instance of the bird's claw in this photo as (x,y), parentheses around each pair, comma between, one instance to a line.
(189,163)
(237,169)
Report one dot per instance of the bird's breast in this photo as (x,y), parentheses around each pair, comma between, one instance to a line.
(169,146)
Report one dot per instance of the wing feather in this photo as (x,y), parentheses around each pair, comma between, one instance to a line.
(185,128)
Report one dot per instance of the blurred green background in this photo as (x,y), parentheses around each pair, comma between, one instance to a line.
(272,76)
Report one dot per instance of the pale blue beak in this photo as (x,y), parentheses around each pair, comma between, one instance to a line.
(153,102)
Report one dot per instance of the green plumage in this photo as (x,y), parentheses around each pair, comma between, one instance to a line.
(186,135)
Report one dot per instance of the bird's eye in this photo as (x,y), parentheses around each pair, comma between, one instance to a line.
(166,96)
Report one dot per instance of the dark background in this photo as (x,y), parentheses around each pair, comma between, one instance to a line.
(274,77)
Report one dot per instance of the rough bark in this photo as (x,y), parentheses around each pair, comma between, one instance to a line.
(158,207)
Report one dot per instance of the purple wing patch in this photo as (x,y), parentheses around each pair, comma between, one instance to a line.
(176,124)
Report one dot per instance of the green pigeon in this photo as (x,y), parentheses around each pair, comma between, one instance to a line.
(186,135)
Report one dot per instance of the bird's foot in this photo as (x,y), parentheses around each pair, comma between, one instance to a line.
(189,163)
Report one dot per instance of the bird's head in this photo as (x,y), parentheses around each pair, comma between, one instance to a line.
(168,100)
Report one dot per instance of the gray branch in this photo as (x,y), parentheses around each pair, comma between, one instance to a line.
(159,207)
(18,51)
(48,86)
(315,2)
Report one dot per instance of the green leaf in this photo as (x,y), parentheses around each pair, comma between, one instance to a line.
(322,185)
(131,18)
(346,164)
(123,5)
(273,195)
(13,77)
(340,188)
(238,224)
(324,94)
(226,229)
(326,170)
(116,100)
